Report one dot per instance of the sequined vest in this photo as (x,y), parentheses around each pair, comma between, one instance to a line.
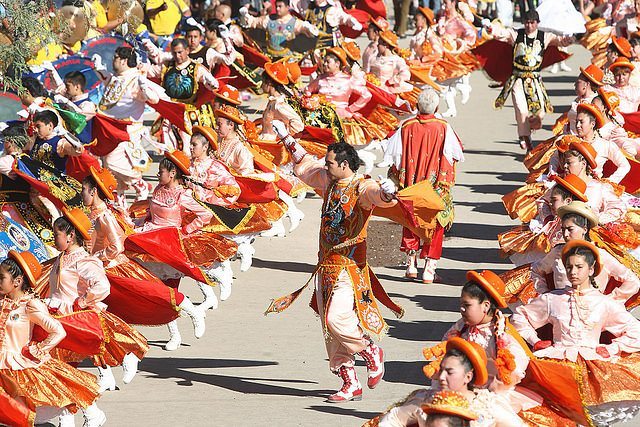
(181,85)
(201,56)
(278,34)
(528,52)
(329,36)
(46,151)
(343,228)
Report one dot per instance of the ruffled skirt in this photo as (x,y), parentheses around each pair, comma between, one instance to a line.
(53,383)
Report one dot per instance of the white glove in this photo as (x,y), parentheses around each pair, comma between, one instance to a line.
(280,128)
(485,23)
(151,48)
(244,11)
(97,61)
(386,185)
(224,32)
(143,82)
(59,99)
(312,28)
(210,81)
(356,26)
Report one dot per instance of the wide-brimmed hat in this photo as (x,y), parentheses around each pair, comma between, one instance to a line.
(593,73)
(293,68)
(28,264)
(491,283)
(450,403)
(622,63)
(611,99)
(594,111)
(476,355)
(79,220)
(277,72)
(179,159)
(230,112)
(380,23)
(105,181)
(339,53)
(622,45)
(597,268)
(390,38)
(583,147)
(210,135)
(573,184)
(352,50)
(228,93)
(427,13)
(579,208)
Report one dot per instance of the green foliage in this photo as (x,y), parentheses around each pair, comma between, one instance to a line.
(26,27)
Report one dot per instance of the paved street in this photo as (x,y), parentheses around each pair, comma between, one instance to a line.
(252,370)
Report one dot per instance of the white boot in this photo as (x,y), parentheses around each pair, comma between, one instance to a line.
(174,336)
(564,66)
(465,89)
(554,68)
(276,230)
(301,196)
(224,276)
(196,316)
(66,419)
(94,417)
(295,215)
(450,100)
(129,367)
(210,300)
(429,272)
(246,252)
(106,380)
(412,268)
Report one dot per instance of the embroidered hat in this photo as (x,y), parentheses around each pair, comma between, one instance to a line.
(28,264)
(210,135)
(428,13)
(597,267)
(593,111)
(352,50)
(105,181)
(339,53)
(179,159)
(622,45)
(611,99)
(228,93)
(79,220)
(230,112)
(277,71)
(389,38)
(491,283)
(450,403)
(579,208)
(476,355)
(582,147)
(380,23)
(622,63)
(593,73)
(573,184)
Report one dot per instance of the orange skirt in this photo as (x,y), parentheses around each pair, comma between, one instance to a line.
(120,339)
(411,97)
(521,202)
(537,160)
(14,413)
(521,239)
(384,119)
(53,383)
(518,285)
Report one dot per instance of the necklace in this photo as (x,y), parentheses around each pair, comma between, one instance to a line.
(332,205)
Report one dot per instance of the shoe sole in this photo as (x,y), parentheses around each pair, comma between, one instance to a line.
(354,398)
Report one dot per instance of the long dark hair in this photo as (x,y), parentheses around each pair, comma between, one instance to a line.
(15,271)
(64,225)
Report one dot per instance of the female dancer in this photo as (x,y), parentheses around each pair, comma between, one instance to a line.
(137,296)
(578,315)
(463,370)
(172,246)
(27,372)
